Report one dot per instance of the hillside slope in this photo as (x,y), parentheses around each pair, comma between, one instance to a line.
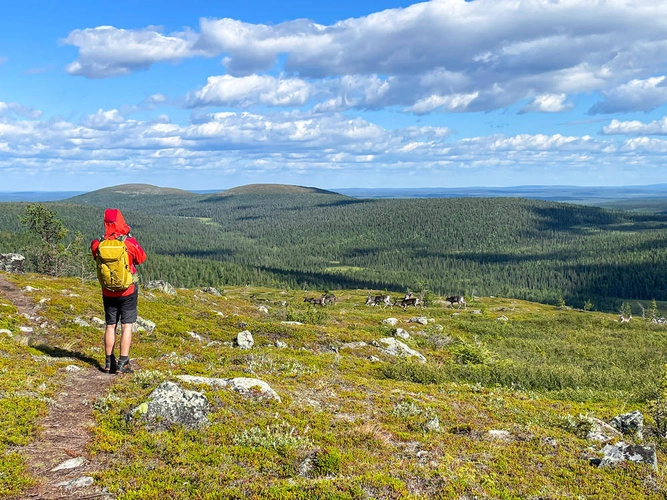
(499,409)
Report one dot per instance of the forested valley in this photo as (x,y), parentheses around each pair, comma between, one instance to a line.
(285,236)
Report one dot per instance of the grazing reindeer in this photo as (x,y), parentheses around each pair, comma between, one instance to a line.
(457,299)
(411,301)
(379,300)
(328,298)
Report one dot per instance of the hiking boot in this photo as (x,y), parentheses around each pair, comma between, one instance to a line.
(110,365)
(124,367)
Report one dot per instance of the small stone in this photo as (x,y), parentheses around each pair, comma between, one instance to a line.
(30,288)
(290,323)
(390,321)
(26,329)
(373,359)
(499,435)
(420,319)
(4,331)
(79,482)
(80,322)
(97,321)
(280,344)
(400,333)
(72,463)
(72,369)
(244,340)
(433,424)
(263,309)
(195,336)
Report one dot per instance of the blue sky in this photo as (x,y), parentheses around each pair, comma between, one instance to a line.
(448,93)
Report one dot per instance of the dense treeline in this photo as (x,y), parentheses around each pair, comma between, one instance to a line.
(487,246)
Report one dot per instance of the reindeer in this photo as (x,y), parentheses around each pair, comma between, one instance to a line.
(379,300)
(457,299)
(411,301)
(328,298)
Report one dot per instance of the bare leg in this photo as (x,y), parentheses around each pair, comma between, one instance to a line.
(126,339)
(109,339)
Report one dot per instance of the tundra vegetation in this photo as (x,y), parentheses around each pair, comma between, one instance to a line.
(353,422)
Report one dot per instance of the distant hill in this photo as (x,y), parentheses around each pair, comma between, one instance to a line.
(273,189)
(133,197)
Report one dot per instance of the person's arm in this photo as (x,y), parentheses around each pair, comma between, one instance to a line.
(94,245)
(134,248)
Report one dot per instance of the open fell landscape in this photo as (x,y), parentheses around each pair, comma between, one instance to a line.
(272,396)
(501,406)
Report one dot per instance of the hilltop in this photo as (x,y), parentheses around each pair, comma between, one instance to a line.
(501,407)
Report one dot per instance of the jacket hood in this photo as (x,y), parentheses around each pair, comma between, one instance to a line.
(114,224)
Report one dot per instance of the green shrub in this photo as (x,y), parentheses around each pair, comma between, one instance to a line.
(327,462)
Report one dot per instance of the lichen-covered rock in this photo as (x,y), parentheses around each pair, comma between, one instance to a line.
(601,431)
(212,291)
(168,404)
(397,348)
(422,320)
(243,385)
(402,334)
(621,452)
(12,263)
(145,323)
(244,340)
(632,422)
(161,286)
(390,321)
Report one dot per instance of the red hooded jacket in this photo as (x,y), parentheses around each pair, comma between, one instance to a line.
(115,226)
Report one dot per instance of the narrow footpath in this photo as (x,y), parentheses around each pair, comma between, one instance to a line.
(57,458)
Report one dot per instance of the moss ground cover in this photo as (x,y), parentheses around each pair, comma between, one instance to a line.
(349,426)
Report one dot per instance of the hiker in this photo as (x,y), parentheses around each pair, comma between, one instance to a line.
(117,255)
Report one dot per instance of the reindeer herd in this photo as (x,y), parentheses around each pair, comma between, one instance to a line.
(386,300)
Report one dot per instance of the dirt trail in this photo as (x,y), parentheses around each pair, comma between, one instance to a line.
(66,430)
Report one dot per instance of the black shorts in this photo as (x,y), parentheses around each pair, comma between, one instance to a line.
(121,308)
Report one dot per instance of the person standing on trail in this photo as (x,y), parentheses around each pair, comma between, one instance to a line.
(117,254)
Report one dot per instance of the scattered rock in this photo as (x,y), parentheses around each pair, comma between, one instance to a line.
(291,323)
(79,482)
(400,333)
(212,291)
(632,422)
(476,311)
(433,424)
(195,336)
(243,385)
(12,263)
(43,301)
(80,322)
(147,324)
(100,322)
(499,435)
(4,331)
(422,320)
(373,359)
(280,344)
(244,340)
(169,404)
(602,431)
(161,286)
(390,321)
(26,329)
(502,318)
(72,369)
(263,309)
(620,452)
(30,289)
(72,463)
(397,348)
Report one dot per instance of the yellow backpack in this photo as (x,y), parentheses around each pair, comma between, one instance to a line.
(113,266)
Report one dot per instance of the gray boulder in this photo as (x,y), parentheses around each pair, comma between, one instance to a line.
(620,452)
(601,431)
(161,286)
(12,263)
(630,423)
(168,404)
(244,340)
(147,324)
(243,385)
(212,291)
(402,334)
(390,321)
(397,348)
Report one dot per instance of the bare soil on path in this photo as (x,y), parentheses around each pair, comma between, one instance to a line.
(66,430)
